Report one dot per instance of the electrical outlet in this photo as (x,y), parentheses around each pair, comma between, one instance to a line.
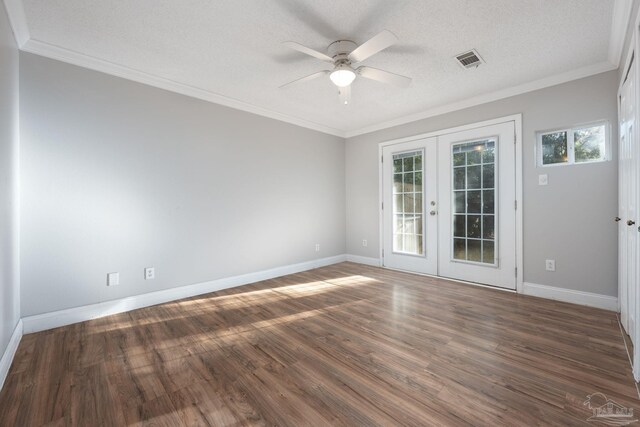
(364,242)
(543,179)
(113,279)
(149,273)
(317,247)
(550,264)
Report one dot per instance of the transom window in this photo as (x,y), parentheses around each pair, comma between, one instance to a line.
(583,144)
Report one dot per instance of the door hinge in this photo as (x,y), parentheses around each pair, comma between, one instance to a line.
(382,253)
(515,204)
(381,159)
(516,272)
(382,205)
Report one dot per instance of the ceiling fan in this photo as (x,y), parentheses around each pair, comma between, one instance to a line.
(343,54)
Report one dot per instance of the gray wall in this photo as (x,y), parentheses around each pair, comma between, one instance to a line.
(119,176)
(570,220)
(9,260)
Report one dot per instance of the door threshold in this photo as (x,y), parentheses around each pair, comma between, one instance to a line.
(464,282)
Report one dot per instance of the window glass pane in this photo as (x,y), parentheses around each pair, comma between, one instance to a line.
(458,159)
(589,144)
(554,148)
(397,165)
(459,203)
(474,250)
(488,176)
(488,229)
(417,186)
(488,254)
(473,176)
(488,154)
(488,202)
(408,164)
(459,249)
(417,203)
(459,181)
(459,223)
(408,203)
(473,199)
(473,226)
(397,183)
(417,163)
(408,182)
(474,157)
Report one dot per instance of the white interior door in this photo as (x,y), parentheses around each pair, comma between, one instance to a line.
(477,195)
(627,200)
(409,195)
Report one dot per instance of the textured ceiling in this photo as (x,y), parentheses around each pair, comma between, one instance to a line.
(234,47)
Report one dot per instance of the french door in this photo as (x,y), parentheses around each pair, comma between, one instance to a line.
(449,205)
(409,206)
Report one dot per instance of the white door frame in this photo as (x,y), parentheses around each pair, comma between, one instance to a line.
(517,119)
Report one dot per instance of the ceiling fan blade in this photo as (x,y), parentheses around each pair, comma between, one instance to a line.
(345,94)
(308,51)
(383,76)
(381,41)
(307,78)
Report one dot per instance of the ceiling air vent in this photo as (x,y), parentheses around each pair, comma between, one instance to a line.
(469,59)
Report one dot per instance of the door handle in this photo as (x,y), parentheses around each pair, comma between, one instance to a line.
(432,213)
(617,219)
(630,223)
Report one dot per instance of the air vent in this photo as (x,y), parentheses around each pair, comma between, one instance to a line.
(469,59)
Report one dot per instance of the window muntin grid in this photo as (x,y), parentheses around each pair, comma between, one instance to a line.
(408,217)
(474,204)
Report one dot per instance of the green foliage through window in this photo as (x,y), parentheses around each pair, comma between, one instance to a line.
(579,145)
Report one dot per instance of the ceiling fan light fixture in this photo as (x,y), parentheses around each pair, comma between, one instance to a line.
(342,76)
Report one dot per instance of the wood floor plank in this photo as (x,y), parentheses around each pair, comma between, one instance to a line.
(344,345)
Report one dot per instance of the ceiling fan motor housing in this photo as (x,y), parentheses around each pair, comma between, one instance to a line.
(340,50)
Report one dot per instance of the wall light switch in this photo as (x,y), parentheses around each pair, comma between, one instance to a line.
(113,279)
(364,242)
(149,273)
(543,179)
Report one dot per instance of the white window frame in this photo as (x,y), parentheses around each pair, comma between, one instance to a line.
(571,161)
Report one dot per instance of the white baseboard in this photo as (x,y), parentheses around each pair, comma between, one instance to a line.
(605,302)
(10,351)
(364,260)
(41,322)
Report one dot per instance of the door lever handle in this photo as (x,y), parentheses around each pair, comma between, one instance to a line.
(617,219)
(630,222)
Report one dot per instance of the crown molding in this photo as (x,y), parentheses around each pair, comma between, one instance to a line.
(557,79)
(75,58)
(15,10)
(18,21)
(619,24)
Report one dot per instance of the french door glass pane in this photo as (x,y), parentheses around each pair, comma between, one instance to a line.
(473,201)
(407,203)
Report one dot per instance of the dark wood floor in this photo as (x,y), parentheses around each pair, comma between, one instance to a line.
(340,345)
